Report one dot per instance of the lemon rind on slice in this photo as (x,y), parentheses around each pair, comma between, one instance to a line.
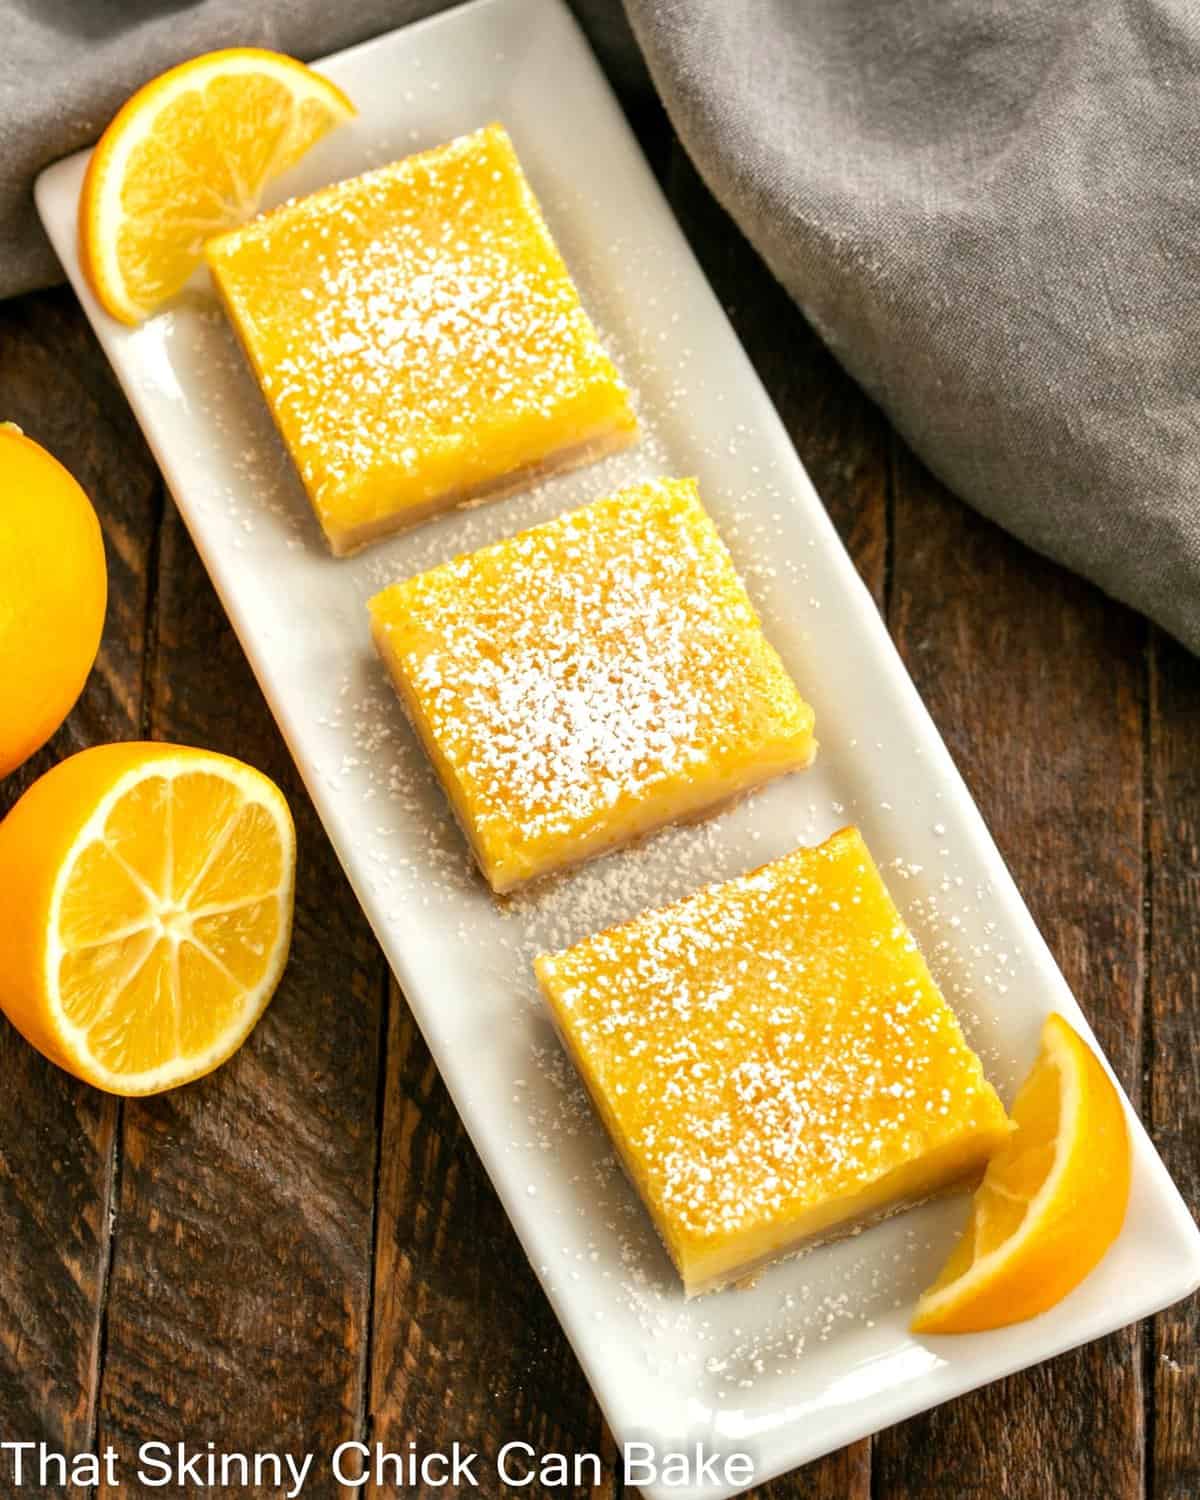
(967,1302)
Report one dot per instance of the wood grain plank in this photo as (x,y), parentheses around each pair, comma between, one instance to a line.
(1036,682)
(1173,1054)
(57,1135)
(842,441)
(240,1278)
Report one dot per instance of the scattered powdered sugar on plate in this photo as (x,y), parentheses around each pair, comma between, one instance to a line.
(304,615)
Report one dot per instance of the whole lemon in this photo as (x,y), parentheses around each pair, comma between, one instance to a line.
(53,593)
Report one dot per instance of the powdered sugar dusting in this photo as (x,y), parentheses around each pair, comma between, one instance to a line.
(814,1335)
(416,333)
(768,1047)
(598,673)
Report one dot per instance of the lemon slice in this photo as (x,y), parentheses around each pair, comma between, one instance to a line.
(145,912)
(1051,1201)
(187,157)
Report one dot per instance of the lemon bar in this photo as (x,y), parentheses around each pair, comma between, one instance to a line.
(418,339)
(590,680)
(773,1060)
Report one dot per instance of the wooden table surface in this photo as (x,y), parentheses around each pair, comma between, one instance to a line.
(303,1248)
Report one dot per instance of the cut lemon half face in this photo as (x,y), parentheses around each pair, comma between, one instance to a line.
(1051,1201)
(187,157)
(146,899)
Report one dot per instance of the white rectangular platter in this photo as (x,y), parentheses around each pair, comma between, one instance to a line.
(818,1353)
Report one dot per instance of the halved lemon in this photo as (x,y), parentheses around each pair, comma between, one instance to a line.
(145,911)
(187,157)
(1051,1201)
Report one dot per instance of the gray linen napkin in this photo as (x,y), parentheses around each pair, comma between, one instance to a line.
(987,208)
(66,66)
